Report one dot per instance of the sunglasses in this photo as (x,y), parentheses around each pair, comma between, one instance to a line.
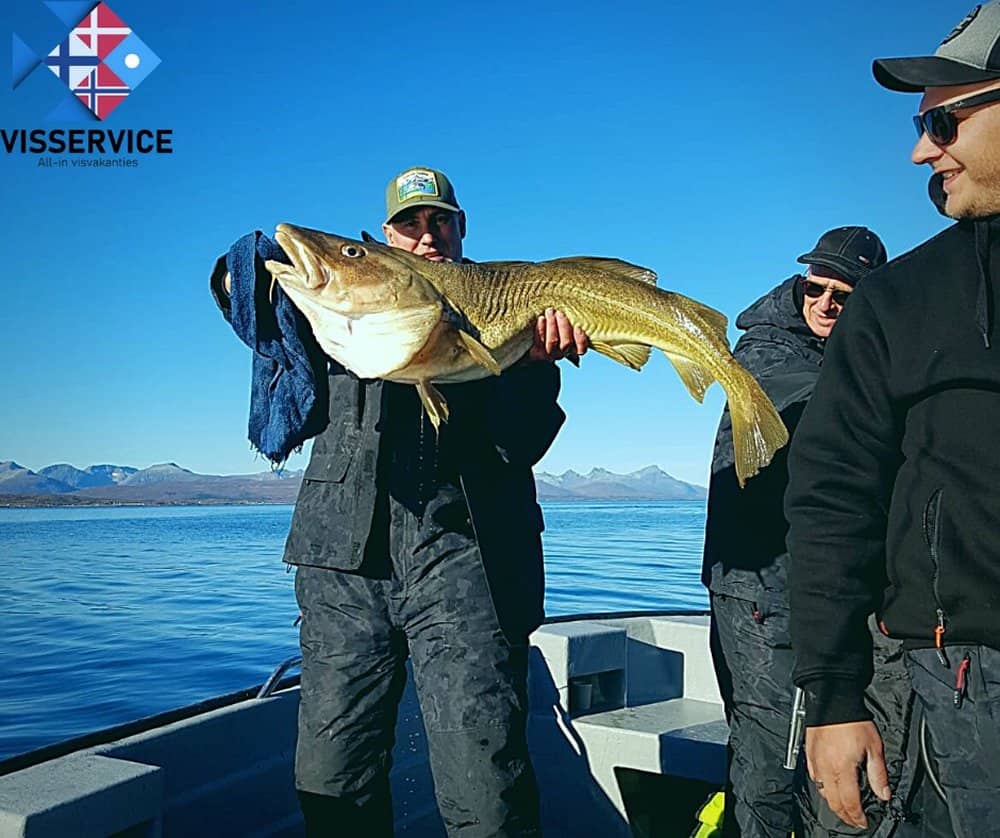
(940,123)
(814,289)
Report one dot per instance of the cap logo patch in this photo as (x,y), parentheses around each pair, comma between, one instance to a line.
(417,183)
(962,25)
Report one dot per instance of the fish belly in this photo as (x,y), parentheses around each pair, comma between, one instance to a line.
(372,345)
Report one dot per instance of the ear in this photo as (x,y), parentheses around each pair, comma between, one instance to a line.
(389,234)
(461,223)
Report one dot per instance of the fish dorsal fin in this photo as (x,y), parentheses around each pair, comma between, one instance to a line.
(695,377)
(632,355)
(600,263)
(434,403)
(715,319)
(480,354)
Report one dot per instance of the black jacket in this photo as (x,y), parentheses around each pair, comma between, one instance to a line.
(497,430)
(894,504)
(745,529)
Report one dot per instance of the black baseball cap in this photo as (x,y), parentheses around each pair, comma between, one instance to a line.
(850,251)
(969,54)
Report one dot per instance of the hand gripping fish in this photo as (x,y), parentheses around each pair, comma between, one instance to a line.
(385,313)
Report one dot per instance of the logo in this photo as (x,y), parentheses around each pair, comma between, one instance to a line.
(963,24)
(101,60)
(418,183)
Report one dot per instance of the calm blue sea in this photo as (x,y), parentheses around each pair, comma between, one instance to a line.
(109,615)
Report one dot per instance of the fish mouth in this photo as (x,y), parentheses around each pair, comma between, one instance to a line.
(306,270)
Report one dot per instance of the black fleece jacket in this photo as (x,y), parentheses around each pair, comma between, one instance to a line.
(894,501)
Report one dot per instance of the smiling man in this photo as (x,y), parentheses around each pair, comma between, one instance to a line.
(745,562)
(893,500)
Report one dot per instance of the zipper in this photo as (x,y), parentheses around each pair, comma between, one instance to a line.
(468,509)
(932,535)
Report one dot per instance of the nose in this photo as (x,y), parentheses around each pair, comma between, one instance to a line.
(826,299)
(925,151)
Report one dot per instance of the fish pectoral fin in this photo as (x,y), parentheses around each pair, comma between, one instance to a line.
(479,352)
(434,403)
(695,377)
(632,355)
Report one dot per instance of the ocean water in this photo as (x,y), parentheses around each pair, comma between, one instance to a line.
(112,614)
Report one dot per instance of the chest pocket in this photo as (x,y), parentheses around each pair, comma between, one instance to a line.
(331,466)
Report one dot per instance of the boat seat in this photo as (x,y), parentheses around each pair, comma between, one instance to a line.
(680,737)
(614,695)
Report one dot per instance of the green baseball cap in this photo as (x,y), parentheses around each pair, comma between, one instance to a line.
(419,187)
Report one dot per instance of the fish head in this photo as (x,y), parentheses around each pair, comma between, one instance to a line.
(344,275)
(370,306)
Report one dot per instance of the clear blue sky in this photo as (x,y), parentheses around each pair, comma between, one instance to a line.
(712,142)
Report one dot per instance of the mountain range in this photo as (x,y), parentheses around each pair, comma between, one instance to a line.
(170,484)
(650,483)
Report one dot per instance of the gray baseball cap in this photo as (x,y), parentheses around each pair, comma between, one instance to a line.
(969,54)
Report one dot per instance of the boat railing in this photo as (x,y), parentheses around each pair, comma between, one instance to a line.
(271,684)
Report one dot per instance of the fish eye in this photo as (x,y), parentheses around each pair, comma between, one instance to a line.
(352,251)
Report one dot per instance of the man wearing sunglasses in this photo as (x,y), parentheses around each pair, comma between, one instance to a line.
(893,502)
(745,561)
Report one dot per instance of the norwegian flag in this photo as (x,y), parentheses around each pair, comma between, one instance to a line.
(72,61)
(102,91)
(101,30)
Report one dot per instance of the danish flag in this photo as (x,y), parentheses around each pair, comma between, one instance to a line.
(102,30)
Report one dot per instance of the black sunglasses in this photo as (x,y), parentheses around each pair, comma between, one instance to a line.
(814,289)
(940,123)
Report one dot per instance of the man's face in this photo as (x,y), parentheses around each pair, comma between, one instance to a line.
(431,232)
(821,311)
(970,165)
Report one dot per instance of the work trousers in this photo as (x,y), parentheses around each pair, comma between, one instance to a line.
(751,651)
(752,654)
(422,593)
(955,745)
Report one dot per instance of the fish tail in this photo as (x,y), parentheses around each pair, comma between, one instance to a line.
(758,431)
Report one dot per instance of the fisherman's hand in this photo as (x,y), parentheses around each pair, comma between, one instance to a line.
(833,754)
(556,337)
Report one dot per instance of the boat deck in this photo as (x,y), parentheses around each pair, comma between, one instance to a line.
(626,730)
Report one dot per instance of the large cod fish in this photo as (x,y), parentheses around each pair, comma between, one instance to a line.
(385,313)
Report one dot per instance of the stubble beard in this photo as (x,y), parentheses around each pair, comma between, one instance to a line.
(983,199)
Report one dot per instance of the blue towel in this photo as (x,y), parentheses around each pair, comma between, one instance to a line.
(288,390)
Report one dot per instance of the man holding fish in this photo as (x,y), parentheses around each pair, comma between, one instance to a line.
(423,542)
(416,530)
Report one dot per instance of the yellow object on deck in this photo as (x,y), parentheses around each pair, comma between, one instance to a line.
(709,817)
